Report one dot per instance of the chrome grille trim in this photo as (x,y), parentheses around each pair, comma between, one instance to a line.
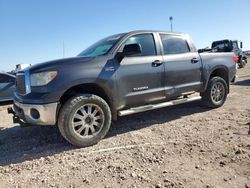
(27,81)
(23,83)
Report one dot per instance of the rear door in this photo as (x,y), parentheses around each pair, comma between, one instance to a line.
(182,65)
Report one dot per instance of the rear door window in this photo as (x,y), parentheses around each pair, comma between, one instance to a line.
(174,44)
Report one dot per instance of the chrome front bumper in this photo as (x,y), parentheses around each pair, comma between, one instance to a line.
(36,114)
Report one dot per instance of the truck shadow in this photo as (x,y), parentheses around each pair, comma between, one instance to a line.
(6,103)
(21,144)
(155,117)
(243,83)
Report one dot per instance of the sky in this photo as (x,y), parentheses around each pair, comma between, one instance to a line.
(33,31)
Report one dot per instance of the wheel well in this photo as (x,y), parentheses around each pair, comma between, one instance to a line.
(91,89)
(221,73)
(85,88)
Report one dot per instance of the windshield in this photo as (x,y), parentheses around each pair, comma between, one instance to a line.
(102,47)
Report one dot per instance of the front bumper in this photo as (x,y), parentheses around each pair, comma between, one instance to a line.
(36,114)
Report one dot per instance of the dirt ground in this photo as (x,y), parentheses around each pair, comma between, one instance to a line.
(182,146)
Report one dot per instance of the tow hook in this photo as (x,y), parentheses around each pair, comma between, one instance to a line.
(11,111)
(15,118)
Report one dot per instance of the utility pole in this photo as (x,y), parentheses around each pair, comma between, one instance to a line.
(171,20)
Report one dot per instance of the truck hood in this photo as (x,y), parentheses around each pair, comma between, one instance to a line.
(56,64)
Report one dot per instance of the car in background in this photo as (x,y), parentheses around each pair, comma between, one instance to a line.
(7,86)
(20,67)
(247,53)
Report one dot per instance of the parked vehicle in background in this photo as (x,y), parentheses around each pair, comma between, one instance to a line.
(20,67)
(231,46)
(7,86)
(247,53)
(120,75)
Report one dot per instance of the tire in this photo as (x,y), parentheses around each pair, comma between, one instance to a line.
(216,93)
(84,120)
(242,63)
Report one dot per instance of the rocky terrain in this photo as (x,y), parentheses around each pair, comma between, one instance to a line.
(182,146)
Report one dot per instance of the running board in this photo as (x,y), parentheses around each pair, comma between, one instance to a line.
(156,106)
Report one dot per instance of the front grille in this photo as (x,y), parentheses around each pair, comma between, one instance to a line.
(20,84)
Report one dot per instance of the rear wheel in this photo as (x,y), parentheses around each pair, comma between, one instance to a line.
(243,63)
(84,120)
(216,93)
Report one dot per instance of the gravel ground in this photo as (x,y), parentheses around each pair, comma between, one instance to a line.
(181,146)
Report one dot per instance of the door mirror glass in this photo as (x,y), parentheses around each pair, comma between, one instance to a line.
(241,45)
(132,50)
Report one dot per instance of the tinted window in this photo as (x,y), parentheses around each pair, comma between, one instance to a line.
(6,79)
(146,41)
(174,45)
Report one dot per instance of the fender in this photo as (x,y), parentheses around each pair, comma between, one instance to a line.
(103,90)
(218,70)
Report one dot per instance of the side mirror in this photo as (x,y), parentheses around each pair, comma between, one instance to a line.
(241,45)
(131,50)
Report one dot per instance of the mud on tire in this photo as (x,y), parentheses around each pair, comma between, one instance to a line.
(84,120)
(216,93)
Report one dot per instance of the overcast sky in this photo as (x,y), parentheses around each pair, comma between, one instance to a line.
(33,31)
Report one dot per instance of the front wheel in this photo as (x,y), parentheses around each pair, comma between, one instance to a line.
(216,93)
(84,120)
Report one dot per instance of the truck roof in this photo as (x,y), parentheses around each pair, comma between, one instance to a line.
(225,40)
(155,31)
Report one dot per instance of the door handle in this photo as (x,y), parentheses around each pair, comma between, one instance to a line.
(156,63)
(194,60)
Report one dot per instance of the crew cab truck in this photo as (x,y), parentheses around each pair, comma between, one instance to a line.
(117,76)
(234,46)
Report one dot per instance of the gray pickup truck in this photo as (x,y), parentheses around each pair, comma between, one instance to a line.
(117,76)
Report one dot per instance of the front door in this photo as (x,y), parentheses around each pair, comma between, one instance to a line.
(140,79)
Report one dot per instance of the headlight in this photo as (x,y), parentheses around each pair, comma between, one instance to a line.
(42,78)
